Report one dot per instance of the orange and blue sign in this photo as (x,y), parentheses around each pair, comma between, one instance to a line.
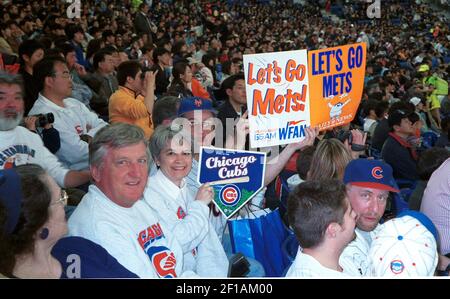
(289,91)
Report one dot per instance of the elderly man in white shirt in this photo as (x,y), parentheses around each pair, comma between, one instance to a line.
(20,146)
(113,213)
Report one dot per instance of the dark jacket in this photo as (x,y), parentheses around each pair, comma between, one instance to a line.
(178,90)
(142,24)
(400,158)
(103,87)
(161,80)
(380,135)
(93,260)
(225,111)
(31,90)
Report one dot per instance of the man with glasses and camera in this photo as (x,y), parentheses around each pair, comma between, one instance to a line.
(133,102)
(19,146)
(73,120)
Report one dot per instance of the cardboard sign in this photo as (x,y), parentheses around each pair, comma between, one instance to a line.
(277,97)
(336,77)
(236,176)
(289,91)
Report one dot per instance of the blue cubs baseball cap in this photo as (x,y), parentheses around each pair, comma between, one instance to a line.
(195,103)
(370,173)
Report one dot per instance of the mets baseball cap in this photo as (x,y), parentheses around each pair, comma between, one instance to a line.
(195,103)
(371,174)
(403,247)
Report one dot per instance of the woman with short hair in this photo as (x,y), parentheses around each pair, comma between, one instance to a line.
(187,214)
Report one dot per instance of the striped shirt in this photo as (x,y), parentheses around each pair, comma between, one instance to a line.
(436,204)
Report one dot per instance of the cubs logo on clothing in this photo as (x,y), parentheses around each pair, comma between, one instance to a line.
(163,261)
(181,213)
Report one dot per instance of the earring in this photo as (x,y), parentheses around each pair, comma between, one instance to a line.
(44,233)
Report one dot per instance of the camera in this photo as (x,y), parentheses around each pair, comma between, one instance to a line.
(44,119)
(144,71)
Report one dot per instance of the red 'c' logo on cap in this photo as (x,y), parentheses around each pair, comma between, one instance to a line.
(198,103)
(377,172)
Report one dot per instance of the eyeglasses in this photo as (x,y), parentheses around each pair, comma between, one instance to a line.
(202,123)
(62,199)
(65,75)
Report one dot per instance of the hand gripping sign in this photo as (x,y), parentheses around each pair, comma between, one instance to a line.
(289,91)
(236,176)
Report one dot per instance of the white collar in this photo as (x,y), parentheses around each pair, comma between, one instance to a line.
(167,183)
(98,195)
(48,102)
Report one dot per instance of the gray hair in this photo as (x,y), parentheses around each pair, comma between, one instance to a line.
(114,136)
(163,134)
(11,79)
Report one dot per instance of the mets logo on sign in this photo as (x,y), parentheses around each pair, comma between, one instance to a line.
(397,266)
(377,172)
(163,261)
(230,195)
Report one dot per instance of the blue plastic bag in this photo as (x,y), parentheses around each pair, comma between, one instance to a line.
(261,238)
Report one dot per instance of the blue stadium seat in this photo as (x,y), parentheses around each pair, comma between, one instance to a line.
(400,200)
(429,139)
(399,204)
(396,22)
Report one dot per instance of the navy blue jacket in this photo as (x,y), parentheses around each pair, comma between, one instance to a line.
(94,261)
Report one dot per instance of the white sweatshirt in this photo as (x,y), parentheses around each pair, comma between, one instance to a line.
(188,219)
(135,236)
(305,265)
(19,146)
(354,258)
(71,121)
